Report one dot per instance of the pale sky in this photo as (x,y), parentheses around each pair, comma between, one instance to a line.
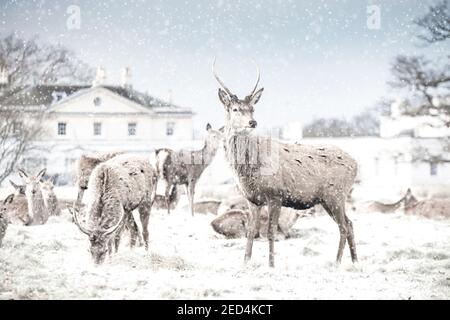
(317,58)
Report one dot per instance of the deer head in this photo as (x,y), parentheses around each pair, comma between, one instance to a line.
(239,112)
(32,183)
(98,237)
(19,188)
(213,138)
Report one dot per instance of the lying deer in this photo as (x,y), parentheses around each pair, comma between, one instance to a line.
(278,174)
(186,167)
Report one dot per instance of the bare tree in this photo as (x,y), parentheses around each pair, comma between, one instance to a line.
(17,137)
(30,60)
(363,124)
(428,81)
(435,24)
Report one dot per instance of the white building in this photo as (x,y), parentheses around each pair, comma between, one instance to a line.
(409,153)
(97,118)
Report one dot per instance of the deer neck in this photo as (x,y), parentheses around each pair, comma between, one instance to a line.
(37,208)
(208,153)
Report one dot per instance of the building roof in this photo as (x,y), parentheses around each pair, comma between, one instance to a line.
(44,95)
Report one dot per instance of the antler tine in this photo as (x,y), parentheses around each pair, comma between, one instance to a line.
(257,79)
(218,79)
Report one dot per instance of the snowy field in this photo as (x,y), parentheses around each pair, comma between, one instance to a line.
(400,258)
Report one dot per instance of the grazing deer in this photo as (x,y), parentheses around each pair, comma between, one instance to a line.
(185,167)
(116,188)
(277,174)
(36,205)
(84,168)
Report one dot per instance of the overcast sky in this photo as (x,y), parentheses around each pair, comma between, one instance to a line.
(317,58)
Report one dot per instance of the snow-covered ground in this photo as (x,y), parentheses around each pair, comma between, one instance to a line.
(400,257)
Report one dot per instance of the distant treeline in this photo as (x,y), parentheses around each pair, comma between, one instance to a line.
(364,124)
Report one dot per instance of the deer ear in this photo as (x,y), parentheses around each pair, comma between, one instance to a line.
(208,127)
(255,97)
(13,184)
(224,97)
(22,174)
(41,174)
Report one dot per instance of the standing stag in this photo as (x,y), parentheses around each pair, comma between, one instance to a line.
(277,174)
(36,206)
(185,167)
(116,188)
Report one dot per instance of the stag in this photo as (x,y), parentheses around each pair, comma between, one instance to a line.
(186,167)
(278,174)
(116,188)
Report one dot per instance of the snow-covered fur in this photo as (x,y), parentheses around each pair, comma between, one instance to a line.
(430,208)
(234,222)
(36,205)
(184,167)
(3,223)
(116,188)
(84,167)
(16,209)
(50,199)
(278,174)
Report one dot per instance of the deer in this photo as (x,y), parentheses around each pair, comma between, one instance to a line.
(3,222)
(185,167)
(50,198)
(15,206)
(36,206)
(269,172)
(117,187)
(84,168)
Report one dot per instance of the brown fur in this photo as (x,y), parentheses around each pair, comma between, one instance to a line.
(116,188)
(278,174)
(85,166)
(185,167)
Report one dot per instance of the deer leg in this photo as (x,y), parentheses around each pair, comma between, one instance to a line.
(134,231)
(274,207)
(167,197)
(144,214)
(337,212)
(351,239)
(190,190)
(251,230)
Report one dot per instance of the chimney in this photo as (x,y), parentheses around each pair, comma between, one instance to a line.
(4,76)
(126,78)
(100,77)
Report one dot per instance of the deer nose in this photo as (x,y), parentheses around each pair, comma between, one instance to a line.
(252,123)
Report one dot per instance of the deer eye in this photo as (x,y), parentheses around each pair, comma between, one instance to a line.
(235,110)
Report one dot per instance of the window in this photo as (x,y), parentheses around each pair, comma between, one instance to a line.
(433,169)
(170,126)
(58,96)
(132,129)
(62,128)
(97,129)
(97,101)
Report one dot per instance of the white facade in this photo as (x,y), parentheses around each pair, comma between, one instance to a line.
(102,118)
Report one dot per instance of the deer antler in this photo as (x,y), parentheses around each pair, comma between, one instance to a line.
(75,218)
(115,227)
(257,79)
(218,79)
